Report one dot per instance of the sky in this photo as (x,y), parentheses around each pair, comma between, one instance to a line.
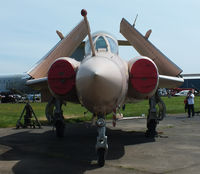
(28,28)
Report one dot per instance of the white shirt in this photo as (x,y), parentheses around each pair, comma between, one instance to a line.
(191,99)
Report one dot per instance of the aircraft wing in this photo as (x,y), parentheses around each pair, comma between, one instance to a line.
(41,85)
(169,81)
(38,84)
(146,48)
(64,48)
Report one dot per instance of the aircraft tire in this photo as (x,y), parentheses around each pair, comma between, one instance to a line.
(60,128)
(151,126)
(101,157)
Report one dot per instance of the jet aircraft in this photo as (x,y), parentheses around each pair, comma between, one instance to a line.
(102,81)
(14,83)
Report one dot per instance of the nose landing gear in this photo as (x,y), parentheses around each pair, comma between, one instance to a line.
(102,145)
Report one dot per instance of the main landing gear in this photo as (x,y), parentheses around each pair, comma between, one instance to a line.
(102,145)
(155,115)
(55,116)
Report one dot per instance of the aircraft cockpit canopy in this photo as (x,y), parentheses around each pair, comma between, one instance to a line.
(102,42)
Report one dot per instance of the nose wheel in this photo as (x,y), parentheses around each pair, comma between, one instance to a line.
(101,157)
(60,128)
(101,146)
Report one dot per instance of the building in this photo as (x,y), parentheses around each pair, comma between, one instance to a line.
(191,81)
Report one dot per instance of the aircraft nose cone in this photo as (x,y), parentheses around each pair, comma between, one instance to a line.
(99,84)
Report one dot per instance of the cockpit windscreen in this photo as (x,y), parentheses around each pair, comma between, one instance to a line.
(103,42)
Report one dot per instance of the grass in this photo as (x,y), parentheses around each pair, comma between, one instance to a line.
(10,113)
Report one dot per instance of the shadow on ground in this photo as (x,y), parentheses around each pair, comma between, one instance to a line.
(75,153)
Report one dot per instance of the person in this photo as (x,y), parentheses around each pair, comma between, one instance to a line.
(186,104)
(190,100)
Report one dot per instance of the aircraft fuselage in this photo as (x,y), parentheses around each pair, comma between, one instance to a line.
(102,82)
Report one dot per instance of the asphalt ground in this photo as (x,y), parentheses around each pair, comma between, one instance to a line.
(176,150)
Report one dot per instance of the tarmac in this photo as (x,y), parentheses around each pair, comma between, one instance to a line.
(176,150)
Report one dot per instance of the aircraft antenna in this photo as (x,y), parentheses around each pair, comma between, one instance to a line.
(84,14)
(135,20)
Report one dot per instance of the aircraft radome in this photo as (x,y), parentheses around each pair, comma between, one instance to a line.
(102,81)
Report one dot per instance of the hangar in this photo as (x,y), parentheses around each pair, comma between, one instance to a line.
(191,81)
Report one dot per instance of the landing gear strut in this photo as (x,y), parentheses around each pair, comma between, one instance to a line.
(154,115)
(49,110)
(55,116)
(101,146)
(59,119)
